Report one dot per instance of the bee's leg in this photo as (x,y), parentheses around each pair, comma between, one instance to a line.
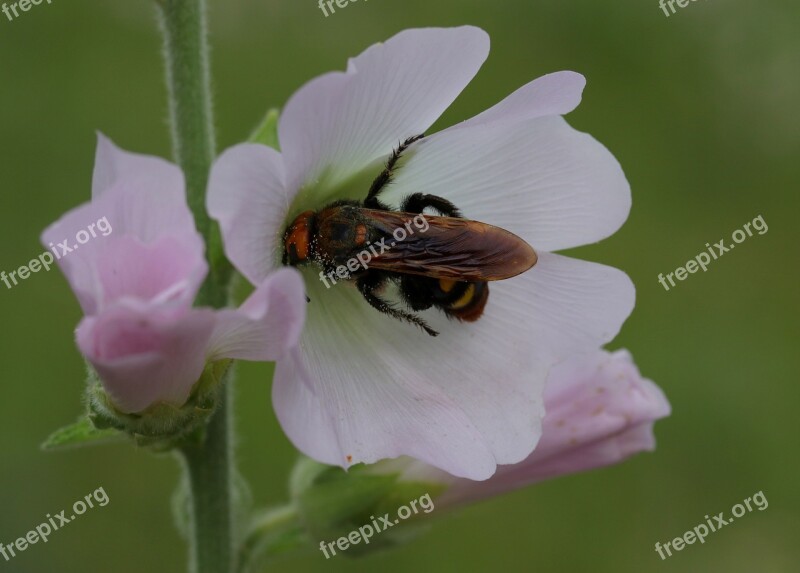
(385,177)
(418,202)
(369,283)
(416,292)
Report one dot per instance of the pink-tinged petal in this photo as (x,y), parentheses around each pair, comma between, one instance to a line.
(553,186)
(166,270)
(400,398)
(339,123)
(113,165)
(554,94)
(146,354)
(610,449)
(149,193)
(139,211)
(360,389)
(600,411)
(267,325)
(246,194)
(366,416)
(307,420)
(576,305)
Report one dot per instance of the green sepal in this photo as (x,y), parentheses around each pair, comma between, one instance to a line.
(161,427)
(328,503)
(333,502)
(267,131)
(81,433)
(273,533)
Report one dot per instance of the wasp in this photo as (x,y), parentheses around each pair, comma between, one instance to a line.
(446,265)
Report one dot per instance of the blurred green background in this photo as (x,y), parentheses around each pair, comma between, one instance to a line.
(701,110)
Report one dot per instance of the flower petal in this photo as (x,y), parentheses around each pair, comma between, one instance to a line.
(140,208)
(150,193)
(591,402)
(147,353)
(113,165)
(600,411)
(246,194)
(267,325)
(339,123)
(576,305)
(553,186)
(366,387)
(554,94)
(361,390)
(166,270)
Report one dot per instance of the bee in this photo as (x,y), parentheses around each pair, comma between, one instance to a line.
(445,265)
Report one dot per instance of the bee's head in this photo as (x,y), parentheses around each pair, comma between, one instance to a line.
(297,240)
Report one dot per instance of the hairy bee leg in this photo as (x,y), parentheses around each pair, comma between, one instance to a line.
(415,294)
(418,202)
(368,284)
(385,177)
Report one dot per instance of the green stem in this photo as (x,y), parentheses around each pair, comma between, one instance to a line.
(183,23)
(209,468)
(208,464)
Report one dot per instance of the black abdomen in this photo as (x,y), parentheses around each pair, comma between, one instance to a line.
(461,300)
(466,301)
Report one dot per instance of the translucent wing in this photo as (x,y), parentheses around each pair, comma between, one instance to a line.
(450,248)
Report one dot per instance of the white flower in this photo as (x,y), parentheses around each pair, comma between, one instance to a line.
(362,386)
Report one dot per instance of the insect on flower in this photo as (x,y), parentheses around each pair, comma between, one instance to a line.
(446,267)
(518,166)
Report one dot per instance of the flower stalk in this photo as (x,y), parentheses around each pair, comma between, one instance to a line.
(208,464)
(209,468)
(183,24)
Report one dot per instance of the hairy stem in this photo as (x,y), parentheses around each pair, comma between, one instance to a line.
(209,463)
(183,23)
(209,467)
